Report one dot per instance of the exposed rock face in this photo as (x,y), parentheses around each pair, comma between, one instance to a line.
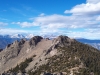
(22,41)
(1,50)
(62,41)
(52,73)
(15,51)
(10,52)
(35,40)
(60,56)
(20,50)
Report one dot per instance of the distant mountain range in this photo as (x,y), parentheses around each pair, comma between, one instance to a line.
(17,36)
(42,56)
(8,39)
(94,43)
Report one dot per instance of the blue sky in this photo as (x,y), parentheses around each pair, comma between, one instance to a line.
(79,18)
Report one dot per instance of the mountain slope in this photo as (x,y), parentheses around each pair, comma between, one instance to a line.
(5,41)
(93,43)
(8,39)
(73,59)
(59,56)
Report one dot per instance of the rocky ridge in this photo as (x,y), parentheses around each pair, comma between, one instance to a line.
(41,56)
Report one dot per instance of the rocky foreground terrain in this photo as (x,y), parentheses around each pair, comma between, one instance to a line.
(8,39)
(41,56)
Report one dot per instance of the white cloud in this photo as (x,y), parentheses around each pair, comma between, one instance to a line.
(92,7)
(88,33)
(42,14)
(3,24)
(60,21)
(93,1)
(25,24)
(16,31)
(52,24)
(11,31)
(98,18)
(85,16)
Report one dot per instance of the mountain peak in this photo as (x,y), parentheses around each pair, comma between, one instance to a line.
(22,41)
(35,40)
(17,36)
(61,37)
(62,41)
(61,54)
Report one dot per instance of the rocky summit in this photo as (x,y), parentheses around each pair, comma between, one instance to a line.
(42,56)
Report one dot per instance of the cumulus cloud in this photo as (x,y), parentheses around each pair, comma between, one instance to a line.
(92,7)
(52,24)
(84,16)
(11,31)
(60,21)
(16,31)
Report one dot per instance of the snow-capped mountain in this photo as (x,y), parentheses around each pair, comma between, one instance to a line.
(52,36)
(17,36)
(29,36)
(12,36)
(8,39)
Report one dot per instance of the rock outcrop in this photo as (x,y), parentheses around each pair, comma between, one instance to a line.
(1,50)
(62,41)
(39,56)
(16,50)
(35,40)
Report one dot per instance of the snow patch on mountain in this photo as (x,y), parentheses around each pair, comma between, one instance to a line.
(17,36)
(29,36)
